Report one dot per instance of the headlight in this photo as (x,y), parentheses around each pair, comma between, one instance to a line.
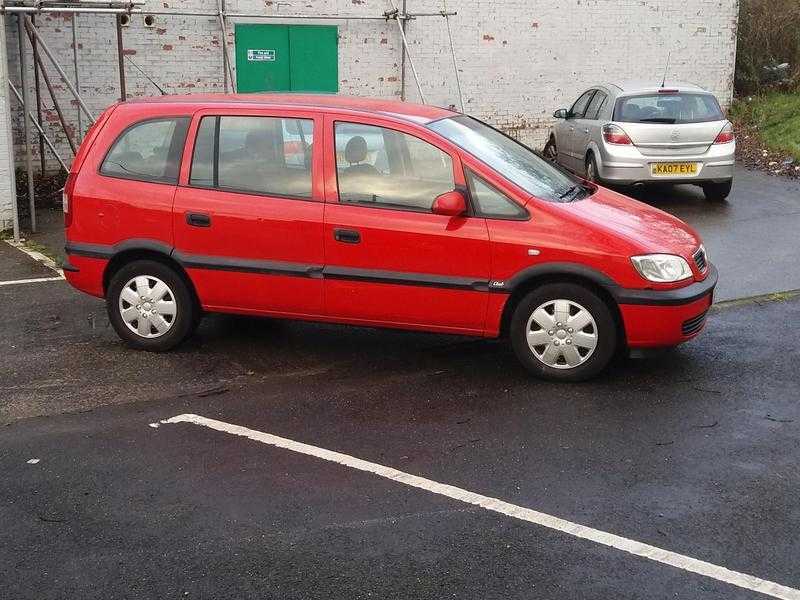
(662,268)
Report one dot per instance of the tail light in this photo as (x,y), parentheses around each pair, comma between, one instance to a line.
(726,135)
(66,198)
(614,134)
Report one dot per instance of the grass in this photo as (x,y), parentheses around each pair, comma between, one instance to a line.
(775,117)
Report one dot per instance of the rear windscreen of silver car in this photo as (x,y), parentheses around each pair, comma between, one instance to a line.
(670,108)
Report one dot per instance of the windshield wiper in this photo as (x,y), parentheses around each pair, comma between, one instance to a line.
(570,191)
(576,192)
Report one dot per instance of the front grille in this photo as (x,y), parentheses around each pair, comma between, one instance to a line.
(700,259)
(694,324)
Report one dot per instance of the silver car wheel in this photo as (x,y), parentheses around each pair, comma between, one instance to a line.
(562,334)
(147,306)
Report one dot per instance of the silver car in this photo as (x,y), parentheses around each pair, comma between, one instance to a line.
(635,132)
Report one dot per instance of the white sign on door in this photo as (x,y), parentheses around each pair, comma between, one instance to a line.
(254,55)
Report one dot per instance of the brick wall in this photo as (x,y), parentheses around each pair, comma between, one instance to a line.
(518,59)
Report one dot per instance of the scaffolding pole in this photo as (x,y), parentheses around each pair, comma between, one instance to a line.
(58,68)
(403,58)
(129,8)
(395,15)
(453,53)
(37,89)
(121,60)
(26,128)
(226,60)
(75,68)
(54,98)
(38,126)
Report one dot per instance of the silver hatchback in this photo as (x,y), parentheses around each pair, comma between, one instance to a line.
(634,132)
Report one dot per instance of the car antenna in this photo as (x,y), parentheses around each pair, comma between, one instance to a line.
(666,68)
(146,76)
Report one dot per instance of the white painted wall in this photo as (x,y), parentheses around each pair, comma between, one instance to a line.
(8,194)
(518,59)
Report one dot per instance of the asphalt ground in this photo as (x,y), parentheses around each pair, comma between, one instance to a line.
(696,452)
(751,238)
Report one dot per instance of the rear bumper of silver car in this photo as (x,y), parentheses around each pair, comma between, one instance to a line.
(627,165)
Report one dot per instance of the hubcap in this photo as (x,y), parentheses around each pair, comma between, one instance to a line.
(590,171)
(147,306)
(561,334)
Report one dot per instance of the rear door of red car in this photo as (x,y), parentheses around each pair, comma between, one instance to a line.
(248,212)
(388,258)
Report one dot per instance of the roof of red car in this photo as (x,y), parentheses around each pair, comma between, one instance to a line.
(419,113)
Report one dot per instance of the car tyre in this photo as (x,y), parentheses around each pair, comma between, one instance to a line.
(717,192)
(592,174)
(578,359)
(151,306)
(550,151)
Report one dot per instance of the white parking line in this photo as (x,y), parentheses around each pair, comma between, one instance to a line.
(34,280)
(679,561)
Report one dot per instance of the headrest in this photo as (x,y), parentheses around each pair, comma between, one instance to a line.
(356,150)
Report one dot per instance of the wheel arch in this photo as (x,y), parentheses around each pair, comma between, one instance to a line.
(146,250)
(593,150)
(529,279)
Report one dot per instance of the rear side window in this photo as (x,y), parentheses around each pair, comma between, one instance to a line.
(148,151)
(389,168)
(595,105)
(673,108)
(264,155)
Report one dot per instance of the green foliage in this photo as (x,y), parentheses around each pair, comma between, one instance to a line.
(775,116)
(769,34)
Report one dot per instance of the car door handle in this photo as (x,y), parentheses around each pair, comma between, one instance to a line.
(198,219)
(348,236)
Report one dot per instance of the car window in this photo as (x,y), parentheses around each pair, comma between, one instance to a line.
(579,108)
(491,202)
(668,108)
(385,167)
(511,159)
(202,172)
(593,110)
(148,151)
(266,155)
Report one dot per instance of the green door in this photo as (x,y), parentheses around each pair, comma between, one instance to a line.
(283,58)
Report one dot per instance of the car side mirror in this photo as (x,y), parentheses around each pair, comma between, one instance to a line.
(561,113)
(450,204)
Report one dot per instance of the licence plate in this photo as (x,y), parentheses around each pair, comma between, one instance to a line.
(673,169)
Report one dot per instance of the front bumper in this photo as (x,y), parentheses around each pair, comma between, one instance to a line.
(627,165)
(660,318)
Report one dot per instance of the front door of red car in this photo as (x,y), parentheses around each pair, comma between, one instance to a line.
(389,260)
(248,213)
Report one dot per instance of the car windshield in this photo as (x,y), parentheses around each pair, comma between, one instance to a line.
(513,160)
(671,108)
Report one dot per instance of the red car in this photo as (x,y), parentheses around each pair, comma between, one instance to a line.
(369,212)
